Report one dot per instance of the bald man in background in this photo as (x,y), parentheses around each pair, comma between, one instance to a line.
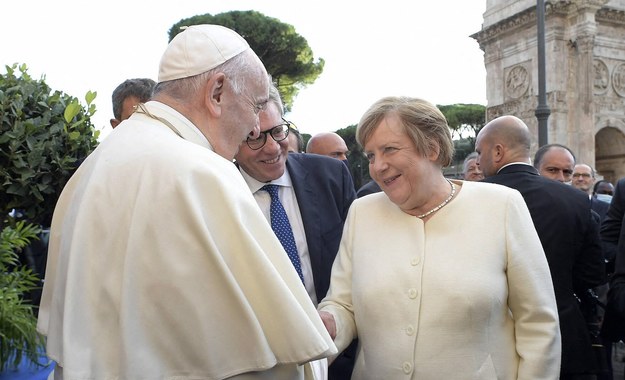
(328,144)
(568,232)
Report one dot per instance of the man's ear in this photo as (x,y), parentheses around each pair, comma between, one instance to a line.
(498,153)
(215,93)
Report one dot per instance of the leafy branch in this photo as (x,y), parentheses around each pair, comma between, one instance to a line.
(18,334)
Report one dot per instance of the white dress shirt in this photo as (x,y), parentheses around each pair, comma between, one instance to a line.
(289,202)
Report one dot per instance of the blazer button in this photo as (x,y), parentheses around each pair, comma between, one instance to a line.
(409,330)
(412,293)
(407,367)
(415,261)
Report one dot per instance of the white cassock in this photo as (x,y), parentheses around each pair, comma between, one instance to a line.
(161,265)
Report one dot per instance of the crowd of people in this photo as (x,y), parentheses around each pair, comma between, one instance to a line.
(202,240)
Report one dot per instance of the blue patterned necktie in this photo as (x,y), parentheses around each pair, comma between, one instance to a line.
(282,228)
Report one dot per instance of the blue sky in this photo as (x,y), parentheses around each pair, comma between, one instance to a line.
(372,49)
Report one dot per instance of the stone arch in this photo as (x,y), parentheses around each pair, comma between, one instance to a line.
(610,149)
(585,41)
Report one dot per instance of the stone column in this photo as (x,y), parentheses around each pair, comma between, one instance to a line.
(581,117)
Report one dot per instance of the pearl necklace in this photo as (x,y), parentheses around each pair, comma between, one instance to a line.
(440,206)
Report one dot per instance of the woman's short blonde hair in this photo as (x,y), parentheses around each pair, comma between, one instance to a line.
(422,122)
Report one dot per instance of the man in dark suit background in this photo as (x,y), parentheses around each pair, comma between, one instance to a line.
(316,192)
(558,162)
(584,179)
(612,231)
(613,235)
(567,230)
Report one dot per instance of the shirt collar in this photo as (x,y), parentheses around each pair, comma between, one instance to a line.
(513,163)
(255,185)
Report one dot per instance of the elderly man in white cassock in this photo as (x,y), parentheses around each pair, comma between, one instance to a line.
(161,265)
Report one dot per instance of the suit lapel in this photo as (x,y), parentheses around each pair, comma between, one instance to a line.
(309,208)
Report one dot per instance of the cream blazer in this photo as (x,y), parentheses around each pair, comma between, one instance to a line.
(466,295)
(162,266)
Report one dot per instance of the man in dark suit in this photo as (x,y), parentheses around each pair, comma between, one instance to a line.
(568,232)
(315,191)
(557,161)
(612,231)
(613,235)
(584,180)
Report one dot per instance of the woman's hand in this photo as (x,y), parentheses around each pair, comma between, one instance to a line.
(329,323)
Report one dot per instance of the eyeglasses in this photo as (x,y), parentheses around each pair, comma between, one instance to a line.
(584,175)
(278,133)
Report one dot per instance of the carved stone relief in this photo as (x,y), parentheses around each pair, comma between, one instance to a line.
(608,104)
(618,79)
(602,77)
(517,81)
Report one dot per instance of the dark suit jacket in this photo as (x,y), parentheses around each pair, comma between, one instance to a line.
(613,235)
(324,190)
(611,225)
(570,237)
(600,207)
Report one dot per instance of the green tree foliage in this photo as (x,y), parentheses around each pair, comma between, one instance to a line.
(18,334)
(465,120)
(44,136)
(286,54)
(462,148)
(305,138)
(358,163)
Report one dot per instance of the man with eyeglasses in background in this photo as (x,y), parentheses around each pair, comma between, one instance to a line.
(584,180)
(315,191)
